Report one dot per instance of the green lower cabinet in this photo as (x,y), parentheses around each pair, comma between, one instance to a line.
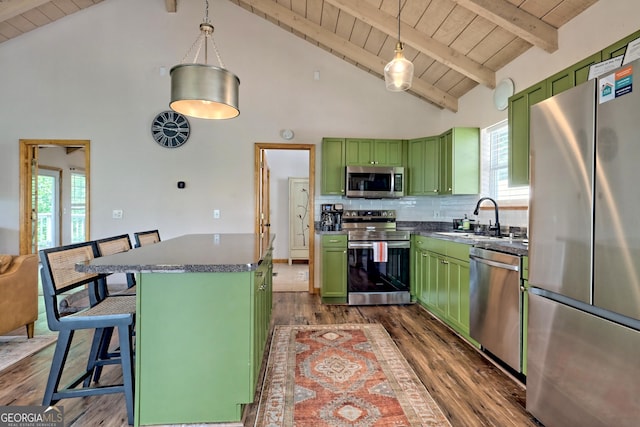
(458,292)
(200,344)
(441,281)
(333,287)
(262,303)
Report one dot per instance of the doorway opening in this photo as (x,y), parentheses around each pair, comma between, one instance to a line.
(70,219)
(304,227)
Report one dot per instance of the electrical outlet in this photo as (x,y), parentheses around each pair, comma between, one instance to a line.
(116,214)
(436,214)
(216,213)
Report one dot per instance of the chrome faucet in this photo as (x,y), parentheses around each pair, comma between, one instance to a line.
(497,225)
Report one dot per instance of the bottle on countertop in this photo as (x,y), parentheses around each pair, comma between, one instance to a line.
(465,223)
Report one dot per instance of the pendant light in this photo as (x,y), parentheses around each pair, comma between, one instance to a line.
(398,73)
(201,90)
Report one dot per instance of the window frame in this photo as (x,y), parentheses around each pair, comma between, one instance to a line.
(488,169)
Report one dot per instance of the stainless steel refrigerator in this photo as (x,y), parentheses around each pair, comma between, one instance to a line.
(583,347)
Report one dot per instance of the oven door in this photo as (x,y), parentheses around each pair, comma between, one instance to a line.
(365,276)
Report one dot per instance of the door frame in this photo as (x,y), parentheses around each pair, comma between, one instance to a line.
(259,148)
(26,171)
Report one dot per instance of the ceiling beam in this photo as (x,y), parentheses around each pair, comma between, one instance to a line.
(171,5)
(516,21)
(12,8)
(371,15)
(343,47)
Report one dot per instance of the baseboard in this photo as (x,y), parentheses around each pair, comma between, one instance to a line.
(286,261)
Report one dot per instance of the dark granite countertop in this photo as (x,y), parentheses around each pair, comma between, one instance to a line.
(194,253)
(514,246)
(504,244)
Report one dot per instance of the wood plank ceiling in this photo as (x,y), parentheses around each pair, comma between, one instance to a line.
(454,44)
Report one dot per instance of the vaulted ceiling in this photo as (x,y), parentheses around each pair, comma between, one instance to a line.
(454,44)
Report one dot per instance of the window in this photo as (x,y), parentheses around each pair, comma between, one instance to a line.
(495,166)
(78,206)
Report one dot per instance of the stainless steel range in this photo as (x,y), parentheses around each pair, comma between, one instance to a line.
(378,258)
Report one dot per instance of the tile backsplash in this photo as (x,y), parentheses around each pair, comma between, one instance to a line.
(440,208)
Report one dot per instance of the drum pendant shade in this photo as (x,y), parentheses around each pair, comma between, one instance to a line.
(204,91)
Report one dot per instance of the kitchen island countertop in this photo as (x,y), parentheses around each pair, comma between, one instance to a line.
(193,253)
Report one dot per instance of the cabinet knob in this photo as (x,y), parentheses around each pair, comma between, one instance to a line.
(435,190)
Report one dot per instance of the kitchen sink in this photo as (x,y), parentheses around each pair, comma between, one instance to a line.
(467,235)
(477,237)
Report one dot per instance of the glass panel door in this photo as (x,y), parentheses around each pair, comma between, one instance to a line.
(78,206)
(48,208)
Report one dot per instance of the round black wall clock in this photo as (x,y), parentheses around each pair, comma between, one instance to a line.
(170,129)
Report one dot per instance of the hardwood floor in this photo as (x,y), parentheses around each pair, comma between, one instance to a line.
(471,390)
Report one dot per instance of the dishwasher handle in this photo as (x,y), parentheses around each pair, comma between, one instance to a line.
(495,263)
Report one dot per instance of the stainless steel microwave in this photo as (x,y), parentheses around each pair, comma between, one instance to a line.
(375,182)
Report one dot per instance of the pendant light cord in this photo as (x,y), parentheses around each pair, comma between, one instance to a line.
(206,33)
(399,22)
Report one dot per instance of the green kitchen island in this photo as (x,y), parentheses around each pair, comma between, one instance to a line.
(202,321)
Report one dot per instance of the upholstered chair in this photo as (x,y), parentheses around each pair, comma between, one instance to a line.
(18,292)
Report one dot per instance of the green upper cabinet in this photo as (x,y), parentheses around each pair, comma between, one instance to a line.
(374,152)
(520,102)
(572,76)
(460,161)
(620,47)
(423,166)
(519,131)
(333,166)
(445,164)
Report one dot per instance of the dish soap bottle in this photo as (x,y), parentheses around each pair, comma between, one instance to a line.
(465,223)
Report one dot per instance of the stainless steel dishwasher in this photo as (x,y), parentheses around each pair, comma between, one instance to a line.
(495,305)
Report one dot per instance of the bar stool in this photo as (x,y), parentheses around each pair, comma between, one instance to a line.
(115,245)
(104,315)
(144,238)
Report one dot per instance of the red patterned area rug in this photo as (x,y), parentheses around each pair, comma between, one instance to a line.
(342,375)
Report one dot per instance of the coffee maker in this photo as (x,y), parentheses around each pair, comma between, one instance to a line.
(331,217)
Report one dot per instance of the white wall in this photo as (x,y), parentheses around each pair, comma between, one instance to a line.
(95,75)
